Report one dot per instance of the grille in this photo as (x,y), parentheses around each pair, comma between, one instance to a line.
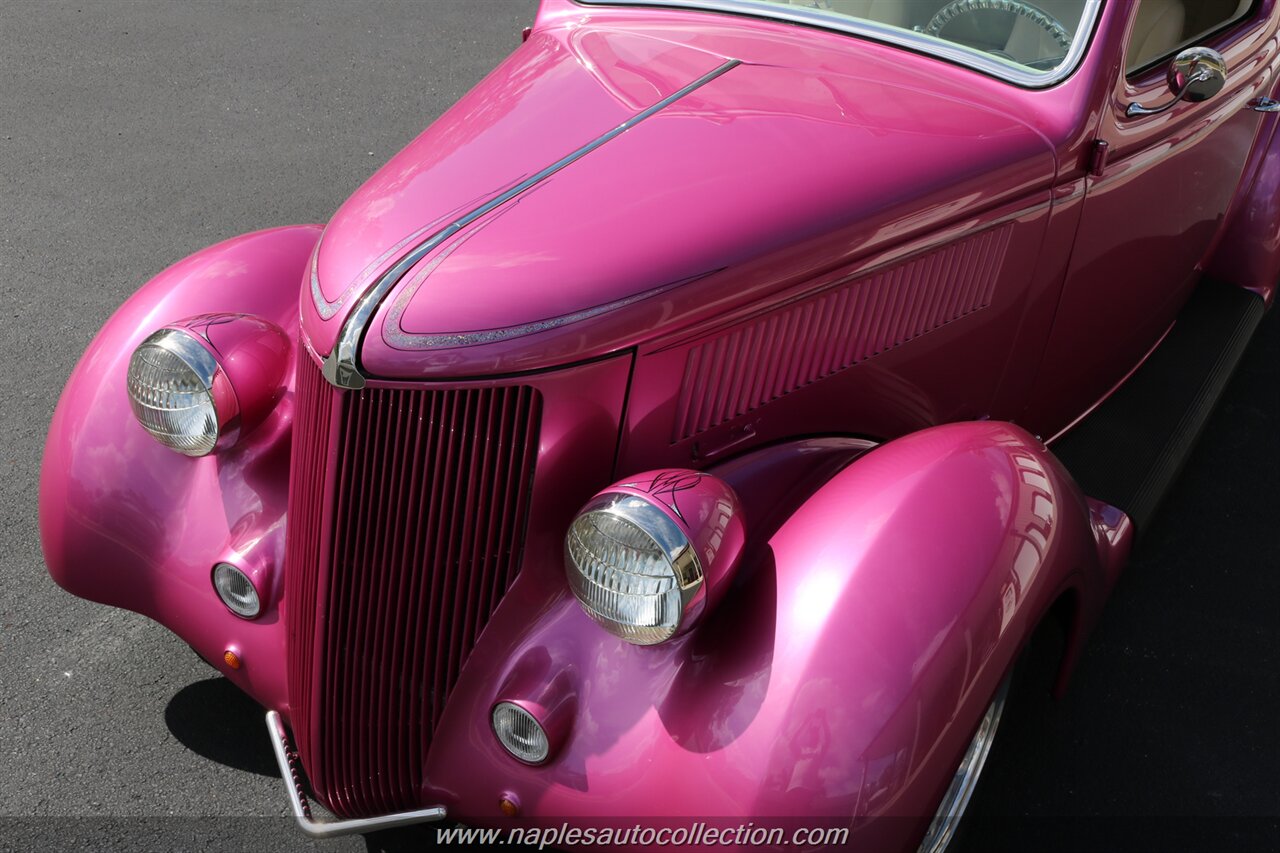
(429,491)
(785,350)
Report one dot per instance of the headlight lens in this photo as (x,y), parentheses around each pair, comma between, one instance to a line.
(631,568)
(520,733)
(170,384)
(236,590)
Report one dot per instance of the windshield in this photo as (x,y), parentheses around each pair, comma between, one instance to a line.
(1028,42)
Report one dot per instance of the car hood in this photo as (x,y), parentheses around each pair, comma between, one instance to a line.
(765,174)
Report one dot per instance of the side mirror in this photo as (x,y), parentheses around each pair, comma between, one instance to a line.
(1196,74)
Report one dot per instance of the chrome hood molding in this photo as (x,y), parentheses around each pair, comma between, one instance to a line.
(711,183)
(341,367)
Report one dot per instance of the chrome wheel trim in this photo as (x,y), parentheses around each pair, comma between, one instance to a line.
(943,827)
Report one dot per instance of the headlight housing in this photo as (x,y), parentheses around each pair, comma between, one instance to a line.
(644,556)
(197,385)
(520,733)
(236,590)
(171,383)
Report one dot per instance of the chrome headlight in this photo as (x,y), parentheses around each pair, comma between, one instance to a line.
(631,568)
(199,384)
(171,384)
(642,555)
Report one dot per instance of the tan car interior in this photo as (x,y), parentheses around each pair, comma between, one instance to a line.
(1162,26)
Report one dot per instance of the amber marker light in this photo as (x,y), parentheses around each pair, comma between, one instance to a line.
(231,659)
(509,805)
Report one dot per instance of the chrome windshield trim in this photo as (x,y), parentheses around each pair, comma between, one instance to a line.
(342,366)
(917,42)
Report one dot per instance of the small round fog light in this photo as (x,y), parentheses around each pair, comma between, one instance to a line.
(236,590)
(520,733)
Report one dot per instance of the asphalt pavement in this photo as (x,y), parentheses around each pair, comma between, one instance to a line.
(134,133)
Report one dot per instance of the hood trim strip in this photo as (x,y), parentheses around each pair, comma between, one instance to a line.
(342,365)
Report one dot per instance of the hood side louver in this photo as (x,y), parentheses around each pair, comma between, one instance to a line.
(750,365)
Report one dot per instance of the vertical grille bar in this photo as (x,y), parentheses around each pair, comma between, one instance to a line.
(313,416)
(429,500)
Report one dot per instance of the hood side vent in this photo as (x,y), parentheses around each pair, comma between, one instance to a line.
(755,363)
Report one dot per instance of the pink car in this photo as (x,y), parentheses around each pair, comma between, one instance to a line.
(696,422)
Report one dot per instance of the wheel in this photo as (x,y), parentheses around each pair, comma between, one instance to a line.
(950,811)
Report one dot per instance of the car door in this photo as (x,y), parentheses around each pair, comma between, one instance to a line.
(1156,198)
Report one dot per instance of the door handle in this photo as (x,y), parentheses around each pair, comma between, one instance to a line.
(1264,105)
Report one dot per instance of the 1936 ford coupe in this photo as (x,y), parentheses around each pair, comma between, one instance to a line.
(698,418)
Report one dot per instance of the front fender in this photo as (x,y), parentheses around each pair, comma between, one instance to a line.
(127,522)
(844,674)
(908,585)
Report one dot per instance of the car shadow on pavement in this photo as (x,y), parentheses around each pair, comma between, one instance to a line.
(215,719)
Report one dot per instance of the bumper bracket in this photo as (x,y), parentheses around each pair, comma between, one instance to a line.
(302,809)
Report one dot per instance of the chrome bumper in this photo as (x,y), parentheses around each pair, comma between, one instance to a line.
(302,810)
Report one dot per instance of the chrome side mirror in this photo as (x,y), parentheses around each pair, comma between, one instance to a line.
(1196,74)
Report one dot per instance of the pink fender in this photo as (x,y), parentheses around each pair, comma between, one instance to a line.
(1247,253)
(843,675)
(127,522)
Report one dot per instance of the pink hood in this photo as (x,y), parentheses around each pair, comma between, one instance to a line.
(791,163)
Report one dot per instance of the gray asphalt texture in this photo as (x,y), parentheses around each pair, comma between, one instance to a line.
(132,134)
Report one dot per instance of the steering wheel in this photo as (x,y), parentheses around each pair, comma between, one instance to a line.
(1021,8)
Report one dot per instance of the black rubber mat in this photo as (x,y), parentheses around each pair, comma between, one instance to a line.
(1130,450)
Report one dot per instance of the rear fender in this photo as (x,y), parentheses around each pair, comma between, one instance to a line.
(127,522)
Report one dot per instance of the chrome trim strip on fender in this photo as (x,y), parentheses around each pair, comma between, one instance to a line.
(341,367)
(332,829)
